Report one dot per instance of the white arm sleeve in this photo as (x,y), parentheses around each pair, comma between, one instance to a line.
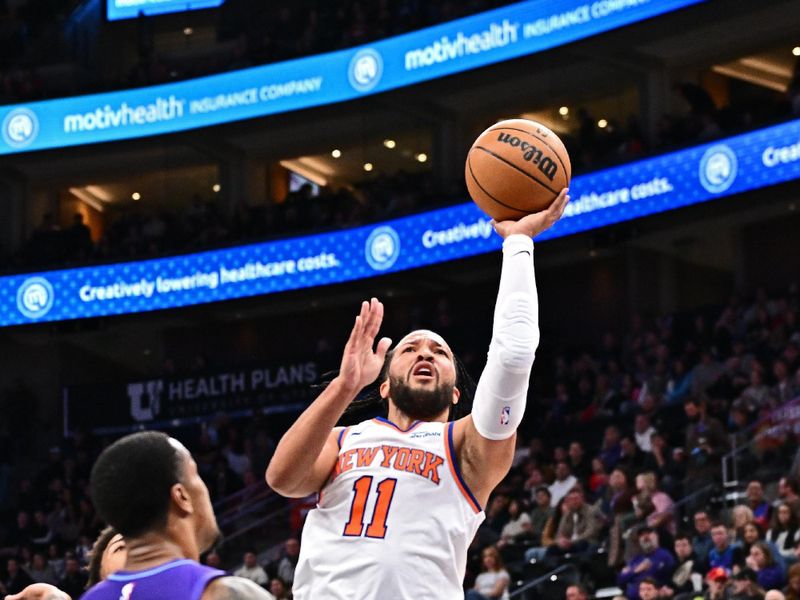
(503,387)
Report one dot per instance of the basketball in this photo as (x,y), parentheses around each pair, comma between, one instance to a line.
(516,167)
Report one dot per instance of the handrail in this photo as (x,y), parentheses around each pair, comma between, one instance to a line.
(540,579)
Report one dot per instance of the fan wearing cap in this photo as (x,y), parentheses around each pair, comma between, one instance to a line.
(400,498)
(653,562)
(717,580)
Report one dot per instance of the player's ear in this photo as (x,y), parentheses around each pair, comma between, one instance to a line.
(384,389)
(456,395)
(181,498)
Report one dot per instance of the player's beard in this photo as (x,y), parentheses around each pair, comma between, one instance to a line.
(420,404)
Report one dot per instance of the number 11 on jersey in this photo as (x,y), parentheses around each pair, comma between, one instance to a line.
(377,526)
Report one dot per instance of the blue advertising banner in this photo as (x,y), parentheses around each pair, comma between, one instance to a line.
(468,43)
(720,169)
(130,9)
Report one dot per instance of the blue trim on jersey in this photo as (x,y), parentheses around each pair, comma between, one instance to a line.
(133,575)
(456,467)
(339,439)
(388,422)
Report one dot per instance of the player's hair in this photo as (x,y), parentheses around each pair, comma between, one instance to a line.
(131,482)
(96,555)
(370,397)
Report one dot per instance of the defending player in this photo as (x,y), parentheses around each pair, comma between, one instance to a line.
(401,498)
(147,487)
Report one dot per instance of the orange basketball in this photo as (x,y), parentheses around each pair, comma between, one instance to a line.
(515,168)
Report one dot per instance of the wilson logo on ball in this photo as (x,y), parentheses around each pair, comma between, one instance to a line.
(532,154)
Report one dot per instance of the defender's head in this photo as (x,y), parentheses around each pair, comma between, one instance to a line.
(420,377)
(147,482)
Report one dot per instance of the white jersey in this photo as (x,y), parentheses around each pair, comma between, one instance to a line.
(394,520)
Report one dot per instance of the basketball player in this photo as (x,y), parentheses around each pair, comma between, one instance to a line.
(401,498)
(147,487)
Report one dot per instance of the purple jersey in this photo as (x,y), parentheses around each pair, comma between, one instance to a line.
(181,579)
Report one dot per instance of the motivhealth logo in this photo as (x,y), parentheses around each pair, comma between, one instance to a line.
(365,70)
(718,168)
(35,297)
(383,248)
(20,127)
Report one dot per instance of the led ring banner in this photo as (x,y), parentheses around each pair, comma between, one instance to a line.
(716,170)
(404,60)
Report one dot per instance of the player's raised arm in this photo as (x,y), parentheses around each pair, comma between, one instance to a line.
(307,452)
(485,439)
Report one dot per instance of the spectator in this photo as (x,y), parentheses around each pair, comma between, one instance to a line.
(598,480)
(40,571)
(563,483)
(632,458)
(745,586)
(74,580)
(769,574)
(611,450)
(518,527)
(792,590)
(784,532)
(789,493)
(17,578)
(579,464)
(718,584)
(758,503)
(643,432)
(653,563)
(541,514)
(493,580)
(723,554)
(648,589)
(741,515)
(687,576)
(251,569)
(706,442)
(287,564)
(750,535)
(580,527)
(576,591)
(279,589)
(661,516)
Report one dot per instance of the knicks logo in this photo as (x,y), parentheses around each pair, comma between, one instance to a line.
(35,297)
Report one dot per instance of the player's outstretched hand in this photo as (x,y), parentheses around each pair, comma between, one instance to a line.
(360,365)
(40,591)
(533,225)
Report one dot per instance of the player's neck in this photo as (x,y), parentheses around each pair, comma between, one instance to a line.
(403,421)
(156,548)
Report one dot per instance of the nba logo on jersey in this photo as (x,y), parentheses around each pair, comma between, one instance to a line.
(127,590)
(505,414)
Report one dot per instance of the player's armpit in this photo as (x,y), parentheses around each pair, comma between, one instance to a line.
(483,462)
(319,473)
(235,588)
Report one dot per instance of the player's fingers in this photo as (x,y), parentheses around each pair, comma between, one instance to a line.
(383,347)
(355,334)
(375,319)
(501,228)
